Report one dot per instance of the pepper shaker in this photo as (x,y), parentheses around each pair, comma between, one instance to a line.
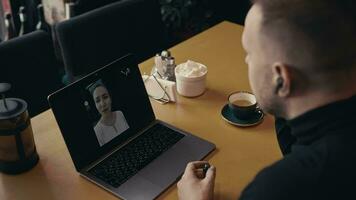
(169,69)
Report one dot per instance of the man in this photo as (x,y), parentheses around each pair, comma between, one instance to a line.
(302,68)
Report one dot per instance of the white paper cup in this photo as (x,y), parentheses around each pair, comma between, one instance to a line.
(190,86)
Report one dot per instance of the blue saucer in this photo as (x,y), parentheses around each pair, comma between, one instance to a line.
(228,116)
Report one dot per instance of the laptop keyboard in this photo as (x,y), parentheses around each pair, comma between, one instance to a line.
(127,161)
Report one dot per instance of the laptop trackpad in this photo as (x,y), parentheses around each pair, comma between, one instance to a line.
(165,170)
(138,188)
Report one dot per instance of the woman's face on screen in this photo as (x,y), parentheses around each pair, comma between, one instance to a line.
(102,100)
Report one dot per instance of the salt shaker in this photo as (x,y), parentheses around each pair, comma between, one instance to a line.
(159,64)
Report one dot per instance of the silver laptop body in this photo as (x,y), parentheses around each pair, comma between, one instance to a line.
(76,116)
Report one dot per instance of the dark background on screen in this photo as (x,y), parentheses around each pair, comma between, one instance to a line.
(128,95)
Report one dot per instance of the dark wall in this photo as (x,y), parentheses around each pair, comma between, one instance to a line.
(232,10)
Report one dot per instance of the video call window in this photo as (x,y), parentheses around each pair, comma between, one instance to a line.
(111,123)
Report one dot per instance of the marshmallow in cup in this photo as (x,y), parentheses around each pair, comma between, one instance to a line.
(191,78)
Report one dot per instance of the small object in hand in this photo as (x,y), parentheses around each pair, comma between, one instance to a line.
(202,170)
(205,168)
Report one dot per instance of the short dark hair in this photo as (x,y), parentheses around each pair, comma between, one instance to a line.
(326,26)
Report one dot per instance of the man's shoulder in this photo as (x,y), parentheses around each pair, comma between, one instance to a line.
(308,172)
(292,177)
(303,163)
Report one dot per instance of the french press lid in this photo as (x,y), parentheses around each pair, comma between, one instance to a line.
(10,107)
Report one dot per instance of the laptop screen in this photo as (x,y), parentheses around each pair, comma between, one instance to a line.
(102,110)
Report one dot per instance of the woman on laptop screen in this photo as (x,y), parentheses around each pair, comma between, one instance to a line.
(111,123)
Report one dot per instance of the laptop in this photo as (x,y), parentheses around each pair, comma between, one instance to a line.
(114,138)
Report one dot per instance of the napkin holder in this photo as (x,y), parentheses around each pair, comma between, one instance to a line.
(161,90)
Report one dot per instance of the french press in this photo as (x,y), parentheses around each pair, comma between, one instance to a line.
(17,147)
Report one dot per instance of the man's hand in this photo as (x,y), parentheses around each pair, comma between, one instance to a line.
(194,185)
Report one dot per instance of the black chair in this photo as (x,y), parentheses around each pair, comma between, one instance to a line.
(29,64)
(83,6)
(95,38)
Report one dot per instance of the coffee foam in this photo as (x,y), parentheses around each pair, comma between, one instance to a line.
(243,96)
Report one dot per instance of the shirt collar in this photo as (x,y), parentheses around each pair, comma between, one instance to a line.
(315,123)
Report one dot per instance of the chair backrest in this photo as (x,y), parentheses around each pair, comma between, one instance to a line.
(95,38)
(82,6)
(29,64)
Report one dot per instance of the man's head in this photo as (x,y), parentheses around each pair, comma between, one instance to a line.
(299,47)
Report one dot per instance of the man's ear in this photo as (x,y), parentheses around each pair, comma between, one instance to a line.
(281,79)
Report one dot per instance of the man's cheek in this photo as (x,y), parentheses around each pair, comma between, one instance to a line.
(253,79)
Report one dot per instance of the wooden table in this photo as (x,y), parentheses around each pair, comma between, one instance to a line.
(240,153)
